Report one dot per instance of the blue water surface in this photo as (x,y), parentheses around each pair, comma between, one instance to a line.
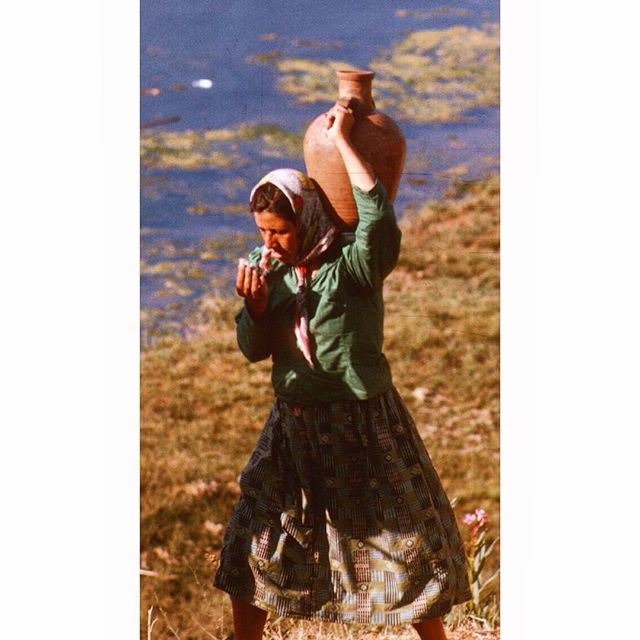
(184,41)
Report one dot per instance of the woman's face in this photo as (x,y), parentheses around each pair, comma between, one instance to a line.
(279,235)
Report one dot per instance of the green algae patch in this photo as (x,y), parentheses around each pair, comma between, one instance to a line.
(309,80)
(265,57)
(224,245)
(220,148)
(201,208)
(277,141)
(306,80)
(429,76)
(438,75)
(178,269)
(172,288)
(436,12)
(308,43)
(184,150)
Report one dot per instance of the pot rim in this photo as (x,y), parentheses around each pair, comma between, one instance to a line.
(354,74)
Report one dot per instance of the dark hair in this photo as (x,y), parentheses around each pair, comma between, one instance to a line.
(269,198)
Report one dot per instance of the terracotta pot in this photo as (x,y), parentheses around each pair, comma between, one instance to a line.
(377,138)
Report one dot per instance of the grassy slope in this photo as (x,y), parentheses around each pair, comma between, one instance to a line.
(203,406)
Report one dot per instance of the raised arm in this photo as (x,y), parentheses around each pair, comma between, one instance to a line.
(375,251)
(340,123)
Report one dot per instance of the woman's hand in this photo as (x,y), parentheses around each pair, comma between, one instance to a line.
(340,121)
(251,284)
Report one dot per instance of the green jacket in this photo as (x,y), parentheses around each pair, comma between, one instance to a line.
(346,314)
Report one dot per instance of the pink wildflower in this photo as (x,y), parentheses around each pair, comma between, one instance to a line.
(476,519)
(469,518)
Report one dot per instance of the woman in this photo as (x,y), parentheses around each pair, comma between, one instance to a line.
(342,516)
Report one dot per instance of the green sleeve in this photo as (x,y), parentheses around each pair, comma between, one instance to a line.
(374,253)
(254,338)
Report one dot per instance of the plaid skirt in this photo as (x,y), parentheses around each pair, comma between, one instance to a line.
(343,518)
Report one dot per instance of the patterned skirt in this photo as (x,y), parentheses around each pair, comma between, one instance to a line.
(343,518)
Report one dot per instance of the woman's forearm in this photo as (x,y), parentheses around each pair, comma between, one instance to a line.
(360,172)
(340,122)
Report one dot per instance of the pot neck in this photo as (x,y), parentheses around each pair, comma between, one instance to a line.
(355,86)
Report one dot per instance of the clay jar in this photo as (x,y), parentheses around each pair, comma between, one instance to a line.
(375,136)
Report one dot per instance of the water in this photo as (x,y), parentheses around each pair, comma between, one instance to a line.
(193,228)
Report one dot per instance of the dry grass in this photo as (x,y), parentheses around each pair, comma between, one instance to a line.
(203,405)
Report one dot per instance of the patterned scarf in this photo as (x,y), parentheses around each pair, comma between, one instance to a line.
(316,232)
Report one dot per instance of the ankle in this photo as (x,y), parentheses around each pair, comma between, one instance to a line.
(431,629)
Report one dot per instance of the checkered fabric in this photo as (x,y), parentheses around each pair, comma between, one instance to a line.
(343,518)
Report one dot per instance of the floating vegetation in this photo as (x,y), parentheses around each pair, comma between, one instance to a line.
(438,75)
(147,181)
(172,288)
(201,209)
(184,150)
(215,147)
(169,249)
(155,186)
(225,245)
(266,57)
(305,79)
(454,142)
(417,180)
(436,12)
(183,270)
(157,268)
(309,43)
(457,170)
(234,186)
(309,80)
(236,207)
(489,160)
(430,76)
